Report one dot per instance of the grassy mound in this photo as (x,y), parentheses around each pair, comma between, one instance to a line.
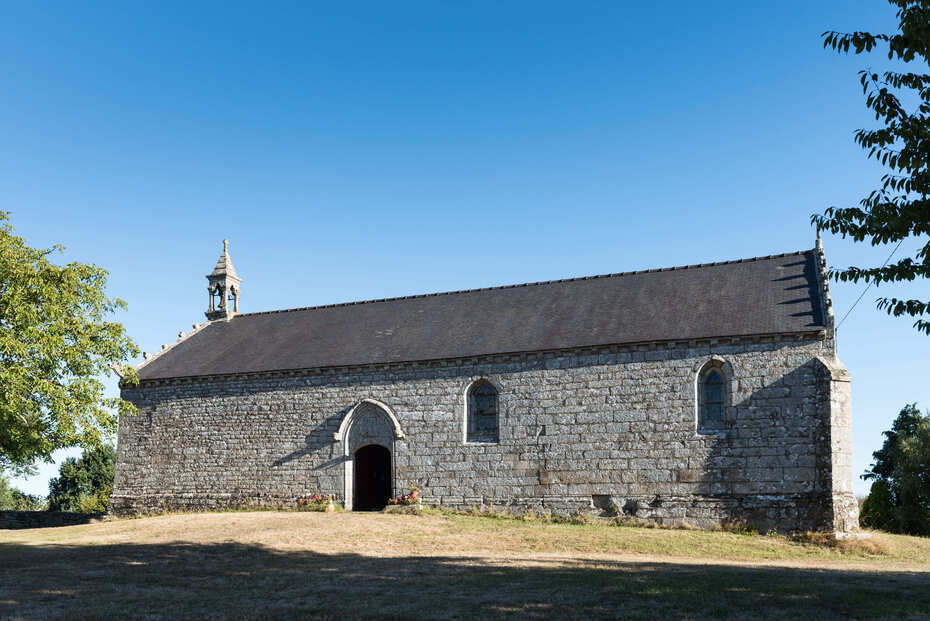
(395,565)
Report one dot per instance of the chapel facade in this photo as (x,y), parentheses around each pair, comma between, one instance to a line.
(690,395)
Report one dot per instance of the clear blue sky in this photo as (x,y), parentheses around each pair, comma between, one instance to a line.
(398,148)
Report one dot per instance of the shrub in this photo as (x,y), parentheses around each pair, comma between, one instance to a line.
(878,509)
(738,526)
(96,502)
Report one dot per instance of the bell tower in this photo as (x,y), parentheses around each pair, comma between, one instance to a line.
(223,288)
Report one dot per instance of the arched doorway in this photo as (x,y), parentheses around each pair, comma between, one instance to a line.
(369,423)
(372,478)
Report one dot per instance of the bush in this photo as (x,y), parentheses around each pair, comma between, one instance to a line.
(96,502)
(878,509)
(738,526)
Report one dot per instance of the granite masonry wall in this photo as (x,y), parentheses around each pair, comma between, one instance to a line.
(45,519)
(580,430)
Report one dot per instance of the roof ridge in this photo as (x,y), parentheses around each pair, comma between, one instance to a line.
(529,284)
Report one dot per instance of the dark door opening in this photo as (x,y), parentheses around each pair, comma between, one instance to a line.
(372,478)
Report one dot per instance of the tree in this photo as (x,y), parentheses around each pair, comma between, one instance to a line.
(55,345)
(899,208)
(84,485)
(899,500)
(12,499)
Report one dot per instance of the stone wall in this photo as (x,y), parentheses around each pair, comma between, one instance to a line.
(579,430)
(45,519)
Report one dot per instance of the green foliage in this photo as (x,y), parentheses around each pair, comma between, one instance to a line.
(878,509)
(899,500)
(84,485)
(738,526)
(96,502)
(55,344)
(12,499)
(899,208)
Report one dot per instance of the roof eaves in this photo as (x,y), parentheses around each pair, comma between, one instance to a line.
(817,331)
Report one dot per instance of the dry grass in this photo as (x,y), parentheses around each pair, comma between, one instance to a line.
(373,565)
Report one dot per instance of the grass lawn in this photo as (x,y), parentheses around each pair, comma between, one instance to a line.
(374,565)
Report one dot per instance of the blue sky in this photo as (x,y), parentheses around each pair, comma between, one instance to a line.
(387,149)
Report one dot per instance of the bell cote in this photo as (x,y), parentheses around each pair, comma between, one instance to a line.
(223,287)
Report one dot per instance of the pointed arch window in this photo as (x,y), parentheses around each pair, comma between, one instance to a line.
(483,405)
(712,391)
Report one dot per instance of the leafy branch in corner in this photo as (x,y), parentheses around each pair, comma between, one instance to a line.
(899,208)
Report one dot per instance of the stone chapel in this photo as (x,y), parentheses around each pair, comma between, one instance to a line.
(684,395)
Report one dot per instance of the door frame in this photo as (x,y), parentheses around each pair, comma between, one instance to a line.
(390,433)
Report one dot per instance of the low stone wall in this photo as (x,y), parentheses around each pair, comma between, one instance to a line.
(45,519)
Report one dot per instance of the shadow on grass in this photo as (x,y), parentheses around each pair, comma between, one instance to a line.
(236,580)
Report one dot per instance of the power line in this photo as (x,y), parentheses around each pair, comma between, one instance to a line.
(868,286)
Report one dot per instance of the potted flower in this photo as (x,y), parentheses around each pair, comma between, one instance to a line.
(413,498)
(317,502)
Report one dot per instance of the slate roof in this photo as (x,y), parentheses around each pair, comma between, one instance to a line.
(764,295)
